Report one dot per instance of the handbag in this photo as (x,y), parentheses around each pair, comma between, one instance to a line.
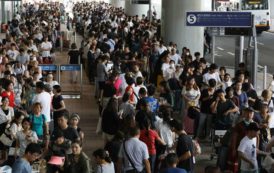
(131,162)
(7,141)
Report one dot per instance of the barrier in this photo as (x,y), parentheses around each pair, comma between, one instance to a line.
(71,68)
(51,67)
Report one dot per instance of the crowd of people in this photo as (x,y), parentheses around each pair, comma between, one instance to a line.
(35,126)
(155,100)
(156,104)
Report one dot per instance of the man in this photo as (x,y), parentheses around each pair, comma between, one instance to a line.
(212,74)
(225,111)
(248,150)
(171,161)
(134,154)
(184,149)
(175,57)
(238,133)
(44,98)
(22,165)
(69,133)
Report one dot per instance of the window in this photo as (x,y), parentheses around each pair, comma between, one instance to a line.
(254,4)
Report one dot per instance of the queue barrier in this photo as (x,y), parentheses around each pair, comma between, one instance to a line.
(66,67)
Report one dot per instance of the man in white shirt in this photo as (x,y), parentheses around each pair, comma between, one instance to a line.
(161,48)
(248,150)
(212,74)
(175,57)
(44,98)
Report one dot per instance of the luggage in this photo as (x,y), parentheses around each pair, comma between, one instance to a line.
(188,124)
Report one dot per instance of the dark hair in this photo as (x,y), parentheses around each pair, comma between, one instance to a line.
(197,54)
(3,98)
(64,113)
(26,119)
(126,97)
(142,91)
(171,159)
(165,85)
(176,125)
(213,67)
(33,148)
(147,125)
(139,80)
(130,81)
(40,85)
(57,88)
(151,90)
(222,68)
(73,46)
(6,84)
(133,131)
(102,154)
(212,83)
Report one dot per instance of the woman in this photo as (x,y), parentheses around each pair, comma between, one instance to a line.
(110,119)
(25,137)
(191,95)
(78,161)
(6,115)
(74,121)
(58,103)
(149,137)
(38,122)
(12,131)
(73,58)
(8,86)
(103,161)
(28,94)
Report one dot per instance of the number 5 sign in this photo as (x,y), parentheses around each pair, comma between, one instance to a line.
(191,19)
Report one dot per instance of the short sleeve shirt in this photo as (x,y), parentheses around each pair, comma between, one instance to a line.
(149,137)
(184,145)
(137,151)
(248,147)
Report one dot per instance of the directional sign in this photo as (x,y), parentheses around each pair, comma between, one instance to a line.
(219,19)
(48,67)
(70,67)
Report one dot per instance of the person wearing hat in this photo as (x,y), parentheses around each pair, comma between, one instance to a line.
(74,121)
(248,150)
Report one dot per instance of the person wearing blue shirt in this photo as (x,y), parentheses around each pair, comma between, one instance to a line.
(153,102)
(171,161)
(22,165)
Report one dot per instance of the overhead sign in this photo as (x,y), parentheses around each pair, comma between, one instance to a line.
(70,67)
(219,19)
(140,1)
(48,67)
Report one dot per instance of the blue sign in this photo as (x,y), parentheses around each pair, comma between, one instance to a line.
(48,67)
(70,67)
(219,19)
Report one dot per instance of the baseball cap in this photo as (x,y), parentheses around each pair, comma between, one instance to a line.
(248,108)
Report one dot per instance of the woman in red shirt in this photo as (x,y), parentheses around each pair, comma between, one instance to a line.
(149,137)
(129,89)
(8,86)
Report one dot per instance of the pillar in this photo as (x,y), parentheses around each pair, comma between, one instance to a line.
(118,3)
(272,15)
(135,9)
(174,23)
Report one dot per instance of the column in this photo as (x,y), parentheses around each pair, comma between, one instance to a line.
(135,9)
(174,23)
(118,3)
(272,15)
